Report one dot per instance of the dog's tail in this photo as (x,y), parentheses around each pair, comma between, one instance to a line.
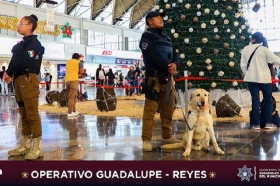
(172,146)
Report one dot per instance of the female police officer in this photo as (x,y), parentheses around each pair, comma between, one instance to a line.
(24,67)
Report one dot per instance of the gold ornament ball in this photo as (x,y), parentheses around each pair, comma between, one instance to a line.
(217,37)
(216,51)
(242,38)
(226,45)
(183,17)
(229,8)
(195,19)
(169,21)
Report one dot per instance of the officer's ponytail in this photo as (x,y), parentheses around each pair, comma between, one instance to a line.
(33,19)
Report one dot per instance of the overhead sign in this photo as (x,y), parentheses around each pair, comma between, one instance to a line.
(113,53)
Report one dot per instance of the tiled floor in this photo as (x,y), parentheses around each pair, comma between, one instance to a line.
(119,138)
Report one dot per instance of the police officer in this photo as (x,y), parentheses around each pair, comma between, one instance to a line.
(161,61)
(24,68)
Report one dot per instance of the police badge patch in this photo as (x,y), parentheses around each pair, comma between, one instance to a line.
(144,45)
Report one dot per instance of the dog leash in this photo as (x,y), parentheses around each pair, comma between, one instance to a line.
(182,109)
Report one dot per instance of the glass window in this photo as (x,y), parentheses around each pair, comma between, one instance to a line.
(103,40)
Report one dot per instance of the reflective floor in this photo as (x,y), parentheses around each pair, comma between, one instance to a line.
(119,138)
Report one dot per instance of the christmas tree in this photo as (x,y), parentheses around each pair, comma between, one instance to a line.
(209,36)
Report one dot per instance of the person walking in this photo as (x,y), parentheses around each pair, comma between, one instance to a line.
(161,61)
(74,67)
(24,69)
(256,61)
(100,75)
(4,85)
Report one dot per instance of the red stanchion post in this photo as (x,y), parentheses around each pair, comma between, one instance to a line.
(186,93)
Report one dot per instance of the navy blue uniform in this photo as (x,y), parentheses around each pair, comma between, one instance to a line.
(24,67)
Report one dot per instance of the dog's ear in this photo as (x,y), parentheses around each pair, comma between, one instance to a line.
(192,95)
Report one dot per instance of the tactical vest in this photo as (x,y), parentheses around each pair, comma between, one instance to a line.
(163,46)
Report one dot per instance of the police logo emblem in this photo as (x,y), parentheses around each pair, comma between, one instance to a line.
(245,173)
(144,45)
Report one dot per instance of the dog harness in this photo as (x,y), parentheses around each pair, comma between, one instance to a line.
(197,114)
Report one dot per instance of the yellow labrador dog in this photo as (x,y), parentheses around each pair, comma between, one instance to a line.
(199,124)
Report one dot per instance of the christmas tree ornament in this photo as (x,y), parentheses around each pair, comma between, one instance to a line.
(226,21)
(167,6)
(217,37)
(215,1)
(189,63)
(172,30)
(198,13)
(187,40)
(208,61)
(173,4)
(204,40)
(221,73)
(188,6)
(190,85)
(223,15)
(228,30)
(233,1)
(198,6)
(169,21)
(232,36)
(243,27)
(198,50)
(176,35)
(213,84)
(161,10)
(226,45)
(249,30)
(242,38)
(183,17)
(216,29)
(177,51)
(157,7)
(212,22)
(180,1)
(239,5)
(235,23)
(247,23)
(237,15)
(182,56)
(67,30)
(216,51)
(165,1)
(209,67)
(231,64)
(207,11)
(234,83)
(231,54)
(216,13)
(165,18)
(195,19)
(190,29)
(189,73)
(203,25)
(240,30)
(201,73)
(229,8)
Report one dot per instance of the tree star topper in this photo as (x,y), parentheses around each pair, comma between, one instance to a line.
(67,30)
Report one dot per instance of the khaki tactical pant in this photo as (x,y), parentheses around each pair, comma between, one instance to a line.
(27,95)
(166,112)
(72,88)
